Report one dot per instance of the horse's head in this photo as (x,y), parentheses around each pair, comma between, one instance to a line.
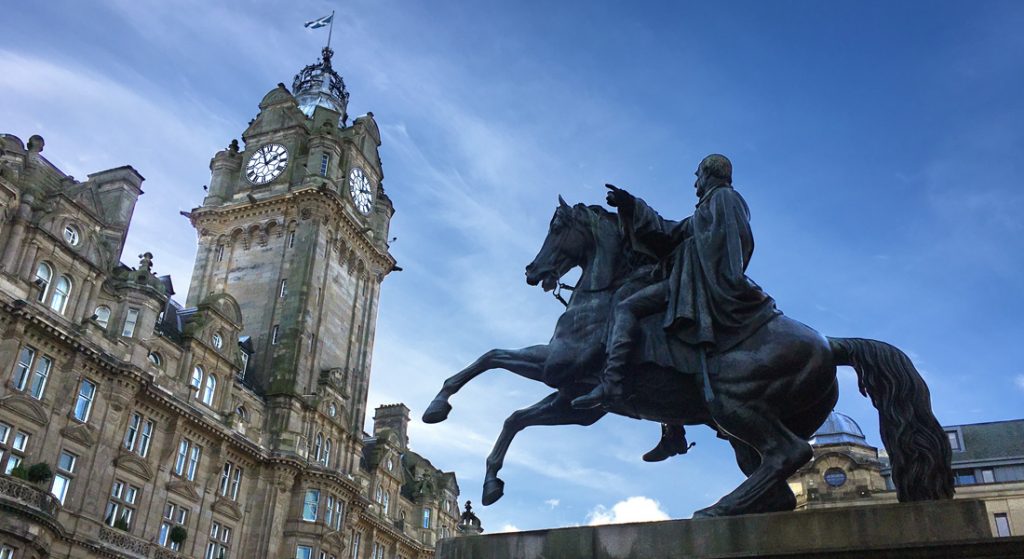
(570,242)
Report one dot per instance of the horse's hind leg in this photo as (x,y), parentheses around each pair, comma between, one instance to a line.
(552,410)
(779,497)
(527,362)
(781,451)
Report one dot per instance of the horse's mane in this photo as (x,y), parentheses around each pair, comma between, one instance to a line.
(631,259)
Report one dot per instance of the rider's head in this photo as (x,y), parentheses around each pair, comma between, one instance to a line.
(714,170)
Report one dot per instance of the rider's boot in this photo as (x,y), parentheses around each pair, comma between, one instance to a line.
(673,442)
(609,390)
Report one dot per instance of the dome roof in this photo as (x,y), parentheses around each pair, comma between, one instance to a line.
(318,85)
(839,429)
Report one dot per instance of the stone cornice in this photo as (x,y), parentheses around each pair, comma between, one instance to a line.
(205,218)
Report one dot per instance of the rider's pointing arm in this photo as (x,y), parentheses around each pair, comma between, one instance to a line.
(648,232)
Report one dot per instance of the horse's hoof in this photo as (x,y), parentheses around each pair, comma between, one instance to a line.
(493,490)
(437,411)
(714,511)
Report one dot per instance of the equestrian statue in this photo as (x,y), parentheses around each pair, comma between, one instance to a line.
(665,325)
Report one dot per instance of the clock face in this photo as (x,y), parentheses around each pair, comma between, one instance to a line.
(266,164)
(359,187)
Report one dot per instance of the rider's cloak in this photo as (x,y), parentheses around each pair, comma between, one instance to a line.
(711,299)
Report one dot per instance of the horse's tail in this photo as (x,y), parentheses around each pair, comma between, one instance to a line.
(918,447)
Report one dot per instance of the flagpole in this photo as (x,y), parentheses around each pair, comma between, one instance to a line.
(331,30)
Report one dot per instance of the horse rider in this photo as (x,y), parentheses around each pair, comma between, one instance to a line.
(709,303)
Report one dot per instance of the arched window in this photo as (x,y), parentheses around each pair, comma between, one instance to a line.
(197,379)
(102,313)
(44,273)
(61,294)
(326,459)
(380,494)
(155,359)
(386,504)
(211,389)
(318,446)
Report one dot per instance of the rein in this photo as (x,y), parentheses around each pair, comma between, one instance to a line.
(558,290)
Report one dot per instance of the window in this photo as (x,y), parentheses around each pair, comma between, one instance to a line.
(196,382)
(83,403)
(426,518)
(12,455)
(377,551)
(44,273)
(283,291)
(245,365)
(218,340)
(130,321)
(155,359)
(310,505)
(318,446)
(303,552)
(174,515)
(71,235)
(325,460)
(62,479)
(220,538)
(329,511)
(139,434)
(273,334)
(356,538)
(6,552)
(23,366)
(387,502)
(954,441)
(34,383)
(1002,525)
(964,477)
(209,390)
(988,476)
(219,251)
(102,314)
(187,461)
(325,163)
(339,513)
(121,507)
(230,480)
(291,239)
(61,294)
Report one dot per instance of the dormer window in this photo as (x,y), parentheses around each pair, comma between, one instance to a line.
(954,440)
(71,235)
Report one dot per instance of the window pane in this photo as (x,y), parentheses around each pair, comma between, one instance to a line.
(4,430)
(61,292)
(42,372)
(211,388)
(83,404)
(129,323)
(147,434)
(303,552)
(102,313)
(1002,525)
(20,441)
(60,487)
(310,505)
(131,434)
(23,367)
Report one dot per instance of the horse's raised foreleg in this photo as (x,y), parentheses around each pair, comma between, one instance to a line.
(552,410)
(781,452)
(526,362)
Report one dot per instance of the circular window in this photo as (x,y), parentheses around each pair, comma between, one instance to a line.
(71,235)
(835,477)
(332,410)
(218,340)
(155,358)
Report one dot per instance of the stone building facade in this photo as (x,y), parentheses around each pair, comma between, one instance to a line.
(230,426)
(988,465)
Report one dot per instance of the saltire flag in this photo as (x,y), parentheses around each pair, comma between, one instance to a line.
(318,23)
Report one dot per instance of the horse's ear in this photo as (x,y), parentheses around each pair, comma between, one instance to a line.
(561,202)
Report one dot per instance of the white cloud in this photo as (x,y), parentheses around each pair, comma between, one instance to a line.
(507,528)
(552,503)
(633,509)
(1019,381)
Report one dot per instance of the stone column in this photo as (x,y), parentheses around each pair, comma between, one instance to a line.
(17,238)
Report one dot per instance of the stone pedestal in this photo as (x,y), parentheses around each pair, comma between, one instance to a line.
(913,530)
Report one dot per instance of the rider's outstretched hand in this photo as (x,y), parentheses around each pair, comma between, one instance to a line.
(618,198)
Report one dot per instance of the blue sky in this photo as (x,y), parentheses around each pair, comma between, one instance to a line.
(879,145)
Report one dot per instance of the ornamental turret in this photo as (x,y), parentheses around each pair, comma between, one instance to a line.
(318,85)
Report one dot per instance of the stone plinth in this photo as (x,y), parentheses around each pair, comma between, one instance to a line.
(934,529)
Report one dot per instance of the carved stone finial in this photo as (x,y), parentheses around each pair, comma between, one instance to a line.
(146,262)
(469,523)
(233,147)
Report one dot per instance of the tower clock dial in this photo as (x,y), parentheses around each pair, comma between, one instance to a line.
(359,187)
(266,164)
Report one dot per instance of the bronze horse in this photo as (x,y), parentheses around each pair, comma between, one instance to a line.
(767,395)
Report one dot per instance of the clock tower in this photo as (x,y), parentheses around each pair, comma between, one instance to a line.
(294,227)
